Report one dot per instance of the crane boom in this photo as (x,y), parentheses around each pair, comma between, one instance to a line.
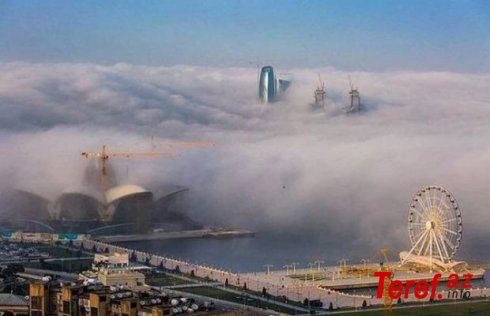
(188,144)
(322,84)
(104,155)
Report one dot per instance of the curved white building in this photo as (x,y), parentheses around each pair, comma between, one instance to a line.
(122,191)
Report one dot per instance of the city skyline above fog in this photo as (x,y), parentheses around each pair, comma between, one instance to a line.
(75,75)
(275,166)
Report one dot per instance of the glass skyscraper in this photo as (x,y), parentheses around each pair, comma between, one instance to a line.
(267,84)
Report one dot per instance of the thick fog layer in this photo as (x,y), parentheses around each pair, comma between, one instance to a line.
(281,166)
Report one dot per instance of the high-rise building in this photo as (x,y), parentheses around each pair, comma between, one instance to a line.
(267,84)
(320,94)
(270,87)
(355,101)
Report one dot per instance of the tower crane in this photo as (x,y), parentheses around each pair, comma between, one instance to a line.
(322,83)
(384,252)
(350,83)
(355,98)
(320,93)
(104,156)
(175,145)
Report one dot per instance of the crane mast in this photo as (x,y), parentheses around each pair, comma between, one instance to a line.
(104,155)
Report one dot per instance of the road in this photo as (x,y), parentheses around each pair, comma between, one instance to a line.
(41,272)
(219,302)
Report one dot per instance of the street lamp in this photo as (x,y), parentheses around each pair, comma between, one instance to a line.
(268,266)
(365,261)
(294,267)
(319,262)
(343,262)
(311,265)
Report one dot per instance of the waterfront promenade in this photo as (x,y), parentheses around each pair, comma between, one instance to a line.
(282,286)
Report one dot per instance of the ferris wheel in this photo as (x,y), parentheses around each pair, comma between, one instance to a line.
(434,224)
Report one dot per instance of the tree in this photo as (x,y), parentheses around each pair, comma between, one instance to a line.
(364,304)
(244,285)
(264,291)
(177,269)
(330,306)
(147,261)
(192,273)
(161,265)
(226,282)
(399,301)
(306,302)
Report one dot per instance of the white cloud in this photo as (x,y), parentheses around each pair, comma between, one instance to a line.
(278,165)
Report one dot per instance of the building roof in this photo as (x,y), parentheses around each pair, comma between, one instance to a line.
(8,299)
(121,191)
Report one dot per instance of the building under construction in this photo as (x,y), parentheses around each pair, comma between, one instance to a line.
(354,99)
(319,94)
(100,205)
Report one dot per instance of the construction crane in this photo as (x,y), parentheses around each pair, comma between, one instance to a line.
(176,145)
(320,93)
(355,98)
(384,252)
(387,300)
(350,83)
(104,156)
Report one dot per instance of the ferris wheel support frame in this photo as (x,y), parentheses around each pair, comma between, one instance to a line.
(433,215)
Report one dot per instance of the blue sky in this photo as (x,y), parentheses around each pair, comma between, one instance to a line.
(351,35)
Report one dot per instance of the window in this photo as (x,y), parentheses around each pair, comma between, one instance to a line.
(36,302)
(66,307)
